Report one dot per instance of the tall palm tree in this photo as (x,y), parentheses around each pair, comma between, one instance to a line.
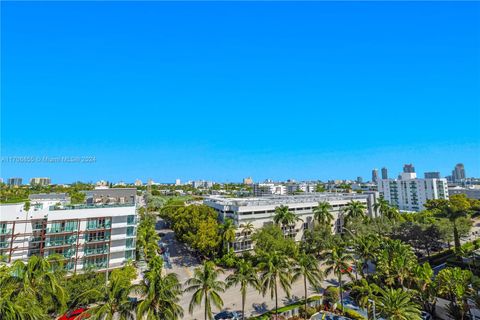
(354,209)
(162,294)
(422,281)
(206,287)
(338,261)
(307,267)
(397,304)
(283,216)
(40,278)
(365,248)
(395,262)
(112,301)
(227,230)
(274,269)
(245,275)
(247,228)
(322,214)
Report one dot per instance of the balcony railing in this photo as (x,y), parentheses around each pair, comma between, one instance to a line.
(4,244)
(98,239)
(60,242)
(5,231)
(94,251)
(95,226)
(95,265)
(62,230)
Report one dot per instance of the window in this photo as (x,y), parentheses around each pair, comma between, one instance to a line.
(129,243)
(131,220)
(130,231)
(130,255)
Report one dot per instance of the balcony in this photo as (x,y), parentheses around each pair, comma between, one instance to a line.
(60,242)
(97,239)
(4,244)
(5,231)
(131,220)
(94,225)
(95,265)
(62,230)
(95,251)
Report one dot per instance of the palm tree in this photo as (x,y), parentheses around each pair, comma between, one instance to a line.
(227,230)
(338,262)
(422,282)
(274,268)
(395,262)
(322,214)
(307,266)
(283,216)
(206,287)
(112,301)
(162,293)
(354,209)
(41,279)
(365,248)
(397,304)
(247,228)
(245,275)
(361,292)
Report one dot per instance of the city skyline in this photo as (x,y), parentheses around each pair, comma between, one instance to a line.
(222,91)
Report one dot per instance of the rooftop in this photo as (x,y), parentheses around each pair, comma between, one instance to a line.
(285,199)
(88,206)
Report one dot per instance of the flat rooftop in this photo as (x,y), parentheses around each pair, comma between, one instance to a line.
(285,199)
(89,206)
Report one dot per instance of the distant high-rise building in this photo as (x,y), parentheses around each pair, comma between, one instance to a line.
(178,182)
(248,180)
(384,173)
(458,173)
(359,179)
(374,175)
(40,181)
(408,168)
(14,181)
(432,175)
(138,183)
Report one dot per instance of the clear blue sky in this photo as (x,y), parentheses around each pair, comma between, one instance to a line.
(221,91)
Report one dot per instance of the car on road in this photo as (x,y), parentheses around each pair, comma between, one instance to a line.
(228,315)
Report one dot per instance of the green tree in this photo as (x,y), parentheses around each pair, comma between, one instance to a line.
(205,286)
(245,275)
(426,291)
(112,300)
(365,248)
(456,207)
(271,238)
(227,233)
(322,214)
(454,285)
(362,292)
(338,261)
(395,262)
(397,304)
(354,209)
(306,266)
(274,268)
(162,294)
(283,216)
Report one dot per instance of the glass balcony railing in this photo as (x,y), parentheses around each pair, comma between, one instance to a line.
(61,230)
(5,231)
(4,244)
(95,265)
(98,239)
(131,220)
(93,225)
(60,242)
(94,251)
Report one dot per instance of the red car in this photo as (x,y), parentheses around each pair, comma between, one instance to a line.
(76,314)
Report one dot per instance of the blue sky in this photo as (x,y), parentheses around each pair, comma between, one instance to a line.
(222,90)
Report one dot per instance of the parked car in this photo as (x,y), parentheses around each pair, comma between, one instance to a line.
(228,315)
(426,316)
(76,314)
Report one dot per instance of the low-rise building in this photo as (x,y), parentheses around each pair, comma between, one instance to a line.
(111,195)
(473,193)
(266,189)
(87,236)
(259,211)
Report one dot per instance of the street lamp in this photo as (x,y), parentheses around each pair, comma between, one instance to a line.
(373,308)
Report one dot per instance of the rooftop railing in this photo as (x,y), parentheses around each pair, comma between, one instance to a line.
(90,206)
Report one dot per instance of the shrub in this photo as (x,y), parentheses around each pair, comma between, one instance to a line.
(332,294)
(309,313)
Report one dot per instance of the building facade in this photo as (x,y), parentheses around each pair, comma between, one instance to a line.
(472,193)
(458,173)
(14,182)
(409,193)
(40,181)
(432,175)
(375,175)
(384,173)
(259,211)
(268,189)
(87,236)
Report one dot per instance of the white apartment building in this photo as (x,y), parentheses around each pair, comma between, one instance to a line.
(260,212)
(410,193)
(40,181)
(88,236)
(266,189)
